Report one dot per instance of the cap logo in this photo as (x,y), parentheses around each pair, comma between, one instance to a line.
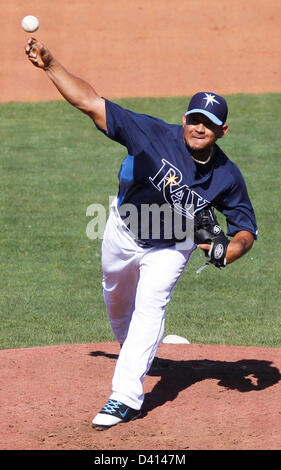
(210,99)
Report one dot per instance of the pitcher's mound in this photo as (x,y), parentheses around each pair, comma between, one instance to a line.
(198,397)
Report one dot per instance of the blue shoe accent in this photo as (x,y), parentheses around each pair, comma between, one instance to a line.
(114,412)
(111,407)
(125,413)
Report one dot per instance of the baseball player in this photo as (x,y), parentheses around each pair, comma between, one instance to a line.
(179,167)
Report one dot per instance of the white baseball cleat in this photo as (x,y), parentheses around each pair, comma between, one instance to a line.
(114,412)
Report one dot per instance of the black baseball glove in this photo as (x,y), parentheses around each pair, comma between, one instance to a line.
(208,231)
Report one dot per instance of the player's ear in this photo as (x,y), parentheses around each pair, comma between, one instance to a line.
(184,120)
(223,130)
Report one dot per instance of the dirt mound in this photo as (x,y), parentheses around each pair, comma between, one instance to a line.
(198,397)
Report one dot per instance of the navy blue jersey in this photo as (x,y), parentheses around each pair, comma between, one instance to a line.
(160,170)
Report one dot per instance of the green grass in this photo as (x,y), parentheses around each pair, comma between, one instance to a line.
(54,164)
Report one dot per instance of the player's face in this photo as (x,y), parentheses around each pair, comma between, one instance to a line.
(200,133)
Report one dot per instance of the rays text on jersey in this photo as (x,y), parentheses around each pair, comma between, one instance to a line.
(181,197)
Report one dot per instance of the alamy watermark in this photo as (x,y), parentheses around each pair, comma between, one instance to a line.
(147,222)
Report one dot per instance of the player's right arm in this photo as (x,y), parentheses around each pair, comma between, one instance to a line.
(75,90)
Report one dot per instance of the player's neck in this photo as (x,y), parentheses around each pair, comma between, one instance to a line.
(202,157)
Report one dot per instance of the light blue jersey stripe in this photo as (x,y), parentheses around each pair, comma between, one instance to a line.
(126,177)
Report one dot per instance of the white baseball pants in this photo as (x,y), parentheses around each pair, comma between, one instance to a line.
(137,285)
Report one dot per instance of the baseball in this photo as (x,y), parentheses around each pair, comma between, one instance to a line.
(30,23)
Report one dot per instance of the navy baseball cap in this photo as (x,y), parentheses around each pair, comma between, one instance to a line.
(211,105)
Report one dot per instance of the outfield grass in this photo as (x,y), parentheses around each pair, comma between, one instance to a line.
(54,164)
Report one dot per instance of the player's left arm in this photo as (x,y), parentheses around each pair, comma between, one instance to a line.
(241,220)
(240,244)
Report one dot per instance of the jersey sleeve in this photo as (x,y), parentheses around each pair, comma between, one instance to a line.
(133,130)
(238,209)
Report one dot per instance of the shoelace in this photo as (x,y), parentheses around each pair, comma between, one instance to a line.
(112,406)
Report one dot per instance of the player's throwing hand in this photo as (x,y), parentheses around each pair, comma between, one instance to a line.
(38,54)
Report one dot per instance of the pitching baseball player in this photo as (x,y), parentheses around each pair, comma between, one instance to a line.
(179,167)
